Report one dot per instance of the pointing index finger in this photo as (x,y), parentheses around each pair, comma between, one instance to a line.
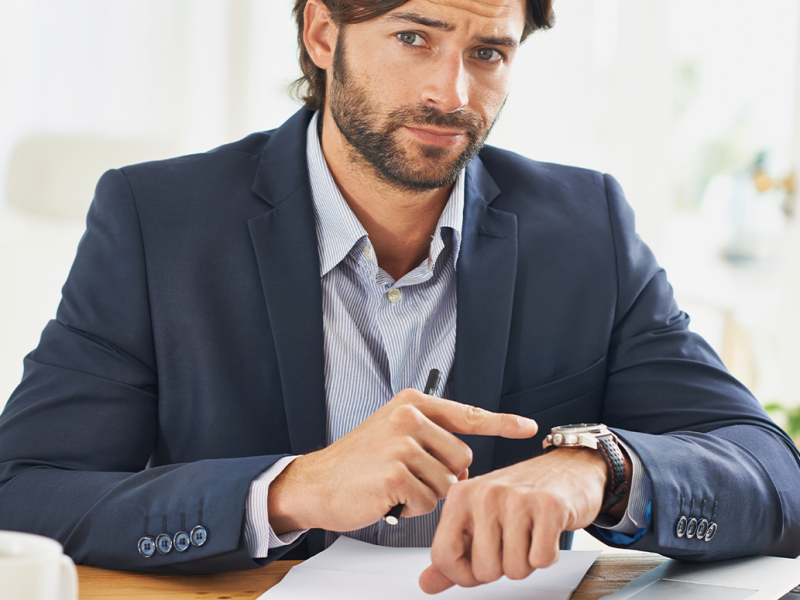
(471,420)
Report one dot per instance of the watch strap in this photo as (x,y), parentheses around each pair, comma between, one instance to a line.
(615,461)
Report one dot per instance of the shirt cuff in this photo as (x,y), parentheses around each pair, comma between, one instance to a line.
(258,533)
(635,520)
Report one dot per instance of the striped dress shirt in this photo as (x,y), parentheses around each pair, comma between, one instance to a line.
(381,336)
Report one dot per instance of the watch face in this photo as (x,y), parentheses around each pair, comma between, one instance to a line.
(579,427)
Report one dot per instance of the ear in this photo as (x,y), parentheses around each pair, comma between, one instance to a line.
(319,33)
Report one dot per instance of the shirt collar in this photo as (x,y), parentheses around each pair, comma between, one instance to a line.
(338,229)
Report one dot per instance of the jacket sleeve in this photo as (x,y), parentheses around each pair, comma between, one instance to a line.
(707,445)
(77,434)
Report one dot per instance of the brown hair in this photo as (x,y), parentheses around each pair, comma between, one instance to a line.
(310,88)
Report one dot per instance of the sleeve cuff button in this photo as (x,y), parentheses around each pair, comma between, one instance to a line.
(147,546)
(680,527)
(164,543)
(199,535)
(691,528)
(712,529)
(181,541)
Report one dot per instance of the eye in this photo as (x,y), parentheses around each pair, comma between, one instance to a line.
(489,55)
(410,38)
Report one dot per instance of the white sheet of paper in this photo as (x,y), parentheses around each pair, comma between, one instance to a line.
(350,569)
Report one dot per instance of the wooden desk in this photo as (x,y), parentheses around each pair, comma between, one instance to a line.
(609,573)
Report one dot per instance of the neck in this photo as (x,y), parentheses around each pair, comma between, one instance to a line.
(399,223)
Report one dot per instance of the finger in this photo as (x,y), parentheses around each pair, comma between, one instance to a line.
(433,581)
(464,475)
(409,421)
(471,420)
(431,472)
(487,553)
(544,545)
(418,497)
(516,547)
(450,552)
(452,452)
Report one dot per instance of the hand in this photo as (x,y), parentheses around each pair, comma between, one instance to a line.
(508,522)
(404,453)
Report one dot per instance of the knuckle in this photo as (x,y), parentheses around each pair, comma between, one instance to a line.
(458,492)
(473,416)
(407,415)
(404,396)
(485,497)
(548,503)
(407,447)
(541,558)
(517,569)
(407,397)
(517,501)
(429,504)
(465,458)
(421,503)
(394,477)
(443,554)
(486,573)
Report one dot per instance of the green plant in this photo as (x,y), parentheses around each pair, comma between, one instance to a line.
(788,418)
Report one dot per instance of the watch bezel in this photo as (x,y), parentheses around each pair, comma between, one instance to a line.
(579,428)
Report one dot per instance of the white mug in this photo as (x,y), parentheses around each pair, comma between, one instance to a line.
(33,567)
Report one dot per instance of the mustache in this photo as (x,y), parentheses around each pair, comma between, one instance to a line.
(461,120)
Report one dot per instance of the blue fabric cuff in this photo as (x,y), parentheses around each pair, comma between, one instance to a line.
(622,539)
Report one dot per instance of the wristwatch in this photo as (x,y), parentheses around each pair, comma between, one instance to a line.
(597,437)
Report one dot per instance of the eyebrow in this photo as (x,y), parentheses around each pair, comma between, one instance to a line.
(411,17)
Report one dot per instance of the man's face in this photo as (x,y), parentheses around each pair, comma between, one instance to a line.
(416,91)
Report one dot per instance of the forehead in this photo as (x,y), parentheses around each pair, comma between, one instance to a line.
(500,16)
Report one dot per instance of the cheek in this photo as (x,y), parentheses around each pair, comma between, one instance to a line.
(389,83)
(488,96)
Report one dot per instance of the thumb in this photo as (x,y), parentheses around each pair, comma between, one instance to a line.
(433,581)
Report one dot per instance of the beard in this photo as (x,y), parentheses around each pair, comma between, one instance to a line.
(377,143)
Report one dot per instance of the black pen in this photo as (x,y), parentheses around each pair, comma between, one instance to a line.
(393,516)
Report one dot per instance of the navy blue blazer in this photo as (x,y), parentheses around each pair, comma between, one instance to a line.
(187,357)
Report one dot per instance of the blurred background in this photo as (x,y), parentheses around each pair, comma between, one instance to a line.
(694,105)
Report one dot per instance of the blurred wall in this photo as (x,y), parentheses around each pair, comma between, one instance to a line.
(638,89)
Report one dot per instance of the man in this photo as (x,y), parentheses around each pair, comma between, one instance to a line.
(236,355)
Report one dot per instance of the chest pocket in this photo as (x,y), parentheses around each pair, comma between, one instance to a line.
(572,388)
(576,398)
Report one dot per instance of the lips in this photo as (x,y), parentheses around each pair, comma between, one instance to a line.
(434,136)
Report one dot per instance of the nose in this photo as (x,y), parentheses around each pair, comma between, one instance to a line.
(447,84)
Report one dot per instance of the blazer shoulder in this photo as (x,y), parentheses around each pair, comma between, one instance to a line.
(508,166)
(568,197)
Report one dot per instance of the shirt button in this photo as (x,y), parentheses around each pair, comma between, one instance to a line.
(368,253)
(394,295)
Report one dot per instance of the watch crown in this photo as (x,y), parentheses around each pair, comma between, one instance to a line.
(549,438)
(558,439)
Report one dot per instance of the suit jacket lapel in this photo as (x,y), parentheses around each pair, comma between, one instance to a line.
(486,271)
(285,244)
